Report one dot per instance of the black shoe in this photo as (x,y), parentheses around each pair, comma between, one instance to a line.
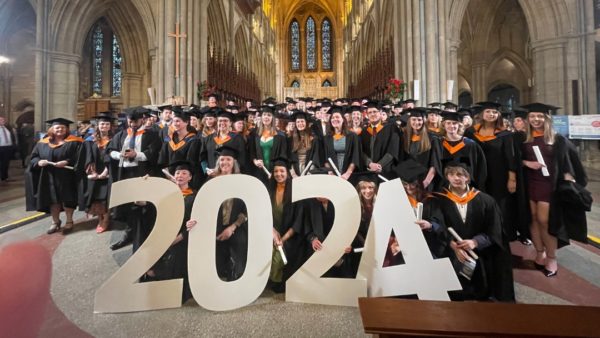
(540,267)
(549,273)
(121,243)
(525,241)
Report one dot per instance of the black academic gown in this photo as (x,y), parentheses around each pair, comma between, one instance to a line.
(291,218)
(51,185)
(279,150)
(351,152)
(522,220)
(211,147)
(493,277)
(313,154)
(150,146)
(567,220)
(381,147)
(429,158)
(232,253)
(187,149)
(320,224)
(500,159)
(96,190)
(173,263)
(468,152)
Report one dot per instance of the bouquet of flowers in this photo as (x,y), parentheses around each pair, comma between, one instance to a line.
(203,89)
(395,89)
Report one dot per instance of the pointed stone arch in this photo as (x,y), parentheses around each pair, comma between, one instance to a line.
(218,32)
(242,52)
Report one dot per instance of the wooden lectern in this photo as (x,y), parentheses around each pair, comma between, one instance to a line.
(389,317)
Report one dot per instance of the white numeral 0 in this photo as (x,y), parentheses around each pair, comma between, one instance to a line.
(208,289)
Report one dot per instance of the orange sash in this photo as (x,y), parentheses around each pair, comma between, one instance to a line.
(377,129)
(221,141)
(337,137)
(176,146)
(186,192)
(70,138)
(461,200)
(413,201)
(453,149)
(102,143)
(415,138)
(537,133)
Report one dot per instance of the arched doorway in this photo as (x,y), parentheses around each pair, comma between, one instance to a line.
(505,94)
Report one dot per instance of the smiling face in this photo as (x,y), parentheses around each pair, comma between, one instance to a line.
(416,123)
(280,174)
(433,118)
(226,164)
(179,124)
(59,130)
(458,178)
(367,190)
(337,121)
(451,127)
(223,124)
(536,120)
(519,124)
(374,115)
(166,115)
(300,124)
(104,126)
(490,115)
(266,119)
(238,126)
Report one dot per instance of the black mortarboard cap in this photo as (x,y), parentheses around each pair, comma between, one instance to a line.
(488,105)
(215,95)
(239,117)
(299,114)
(165,106)
(135,113)
(450,116)
(185,116)
(460,162)
(326,104)
(539,108)
(227,150)
(462,112)
(335,109)
(409,101)
(104,116)
(410,170)
(372,104)
(59,121)
(267,109)
(211,111)
(233,107)
(450,105)
(281,162)
(225,114)
(365,176)
(417,112)
(181,165)
(521,112)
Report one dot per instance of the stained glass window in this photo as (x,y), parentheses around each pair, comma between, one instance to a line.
(295,84)
(311,50)
(116,67)
(98,48)
(295,45)
(326,44)
(326,83)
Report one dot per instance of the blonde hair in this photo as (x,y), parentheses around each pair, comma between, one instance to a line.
(361,185)
(235,170)
(549,133)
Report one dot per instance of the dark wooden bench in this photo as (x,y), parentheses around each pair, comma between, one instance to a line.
(390,317)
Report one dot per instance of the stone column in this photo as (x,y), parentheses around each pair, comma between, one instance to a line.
(41,63)
(479,81)
(63,76)
(452,66)
(549,72)
(133,88)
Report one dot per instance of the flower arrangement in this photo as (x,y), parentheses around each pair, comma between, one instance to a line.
(203,89)
(395,89)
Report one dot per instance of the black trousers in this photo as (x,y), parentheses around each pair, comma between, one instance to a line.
(6,154)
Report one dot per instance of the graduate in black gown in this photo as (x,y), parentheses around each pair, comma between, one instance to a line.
(497,145)
(51,181)
(456,148)
(303,146)
(287,225)
(320,217)
(134,152)
(476,218)
(341,145)
(266,144)
(96,166)
(173,263)
(422,146)
(232,224)
(223,137)
(380,143)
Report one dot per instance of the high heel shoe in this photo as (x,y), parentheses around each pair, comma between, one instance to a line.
(549,273)
(539,266)
(68,228)
(54,227)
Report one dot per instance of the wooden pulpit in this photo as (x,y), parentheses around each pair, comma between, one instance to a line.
(389,317)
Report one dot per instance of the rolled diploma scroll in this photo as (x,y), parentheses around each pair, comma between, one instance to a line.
(307,168)
(335,169)
(540,159)
(283,258)
(65,167)
(266,172)
(457,237)
(357,250)
(383,178)
(419,211)
(168,174)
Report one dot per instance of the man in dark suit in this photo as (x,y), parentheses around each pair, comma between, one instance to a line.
(8,143)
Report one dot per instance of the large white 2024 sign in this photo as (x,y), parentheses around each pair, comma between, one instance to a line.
(420,275)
